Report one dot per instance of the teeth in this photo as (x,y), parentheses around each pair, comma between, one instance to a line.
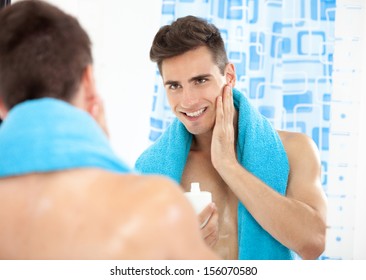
(195,114)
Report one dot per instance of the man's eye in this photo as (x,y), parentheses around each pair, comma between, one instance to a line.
(201,81)
(173,86)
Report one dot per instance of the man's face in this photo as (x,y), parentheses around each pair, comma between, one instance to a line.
(192,82)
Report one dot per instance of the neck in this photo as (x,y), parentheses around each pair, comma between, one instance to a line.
(202,142)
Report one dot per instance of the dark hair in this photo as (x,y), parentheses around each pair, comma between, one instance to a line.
(43,53)
(3,3)
(185,34)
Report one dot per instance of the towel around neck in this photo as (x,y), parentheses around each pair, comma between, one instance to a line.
(48,134)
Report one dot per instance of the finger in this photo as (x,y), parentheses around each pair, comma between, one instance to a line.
(212,226)
(228,105)
(219,110)
(211,240)
(206,213)
(96,108)
(97,111)
(211,232)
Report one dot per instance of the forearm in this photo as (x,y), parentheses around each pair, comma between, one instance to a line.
(293,223)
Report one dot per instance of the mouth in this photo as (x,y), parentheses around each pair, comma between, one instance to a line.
(195,114)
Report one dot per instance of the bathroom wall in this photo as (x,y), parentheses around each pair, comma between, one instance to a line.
(346,165)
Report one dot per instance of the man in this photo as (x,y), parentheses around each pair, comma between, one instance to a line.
(63,193)
(265,183)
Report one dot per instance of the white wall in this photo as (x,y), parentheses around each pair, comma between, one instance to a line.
(348,97)
(360,211)
(122,32)
(125,73)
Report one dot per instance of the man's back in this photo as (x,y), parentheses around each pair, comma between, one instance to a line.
(94,214)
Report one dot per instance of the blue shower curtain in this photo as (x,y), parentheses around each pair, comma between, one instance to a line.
(283,54)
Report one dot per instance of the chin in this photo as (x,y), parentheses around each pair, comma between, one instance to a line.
(198,130)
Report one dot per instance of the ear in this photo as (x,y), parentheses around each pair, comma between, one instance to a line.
(230,74)
(88,92)
(93,104)
(3,110)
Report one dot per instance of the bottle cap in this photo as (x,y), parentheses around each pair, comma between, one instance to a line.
(198,199)
(195,187)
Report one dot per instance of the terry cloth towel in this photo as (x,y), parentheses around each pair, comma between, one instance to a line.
(259,150)
(47,134)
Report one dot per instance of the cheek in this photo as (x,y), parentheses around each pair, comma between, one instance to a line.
(173,101)
(213,92)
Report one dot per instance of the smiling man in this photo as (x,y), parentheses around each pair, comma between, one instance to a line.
(265,183)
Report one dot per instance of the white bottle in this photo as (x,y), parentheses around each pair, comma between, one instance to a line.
(198,199)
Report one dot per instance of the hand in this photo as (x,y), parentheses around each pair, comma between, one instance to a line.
(223,136)
(209,221)
(97,112)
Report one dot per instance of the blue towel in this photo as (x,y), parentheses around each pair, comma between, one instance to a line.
(47,134)
(259,150)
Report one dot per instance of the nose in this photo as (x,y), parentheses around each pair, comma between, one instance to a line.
(189,98)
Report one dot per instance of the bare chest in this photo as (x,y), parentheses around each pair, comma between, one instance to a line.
(199,169)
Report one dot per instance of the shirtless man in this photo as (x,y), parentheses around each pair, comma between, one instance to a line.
(198,80)
(86,212)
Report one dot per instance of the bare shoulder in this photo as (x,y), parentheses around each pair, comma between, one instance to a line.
(143,189)
(159,198)
(304,161)
(304,181)
(289,138)
(299,146)
(108,215)
(168,227)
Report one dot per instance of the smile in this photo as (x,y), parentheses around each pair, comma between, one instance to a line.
(196,113)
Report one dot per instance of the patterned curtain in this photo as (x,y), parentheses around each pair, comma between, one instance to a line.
(283,54)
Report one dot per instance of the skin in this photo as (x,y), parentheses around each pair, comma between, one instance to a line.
(95,214)
(196,87)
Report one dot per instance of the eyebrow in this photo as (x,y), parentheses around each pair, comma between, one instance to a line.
(199,77)
(195,78)
(170,82)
